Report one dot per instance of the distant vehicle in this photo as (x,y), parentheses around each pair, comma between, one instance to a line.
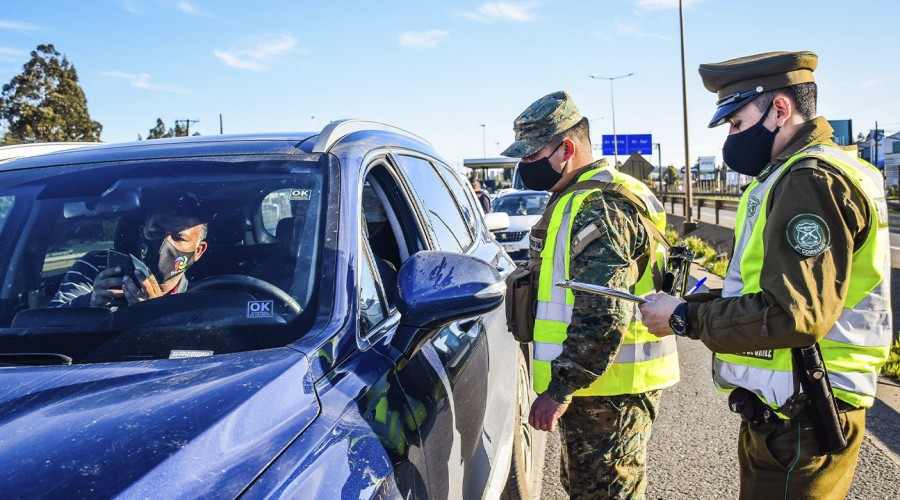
(343,336)
(524,209)
(28,150)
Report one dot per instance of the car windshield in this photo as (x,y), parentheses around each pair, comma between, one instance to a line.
(234,247)
(521,204)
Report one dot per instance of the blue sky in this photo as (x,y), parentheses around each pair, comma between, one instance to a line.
(441,68)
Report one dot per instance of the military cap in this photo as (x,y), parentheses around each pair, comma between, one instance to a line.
(739,81)
(545,118)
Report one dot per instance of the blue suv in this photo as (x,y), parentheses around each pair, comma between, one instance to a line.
(341,334)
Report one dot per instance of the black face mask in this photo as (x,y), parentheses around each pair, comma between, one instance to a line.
(748,152)
(540,175)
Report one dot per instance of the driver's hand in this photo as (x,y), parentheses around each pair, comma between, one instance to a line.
(107,287)
(139,290)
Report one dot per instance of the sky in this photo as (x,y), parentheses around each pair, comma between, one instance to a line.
(454,72)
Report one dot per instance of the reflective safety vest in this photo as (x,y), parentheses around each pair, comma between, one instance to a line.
(644,362)
(856,347)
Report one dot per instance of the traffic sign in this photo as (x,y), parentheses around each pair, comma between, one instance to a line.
(629,143)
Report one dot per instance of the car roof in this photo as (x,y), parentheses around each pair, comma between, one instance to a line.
(521,193)
(351,136)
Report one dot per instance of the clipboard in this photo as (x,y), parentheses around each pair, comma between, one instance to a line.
(600,290)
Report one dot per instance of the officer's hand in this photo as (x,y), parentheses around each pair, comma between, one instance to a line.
(545,411)
(655,314)
(138,289)
(107,287)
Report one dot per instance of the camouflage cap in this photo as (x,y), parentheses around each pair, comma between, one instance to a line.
(739,81)
(546,117)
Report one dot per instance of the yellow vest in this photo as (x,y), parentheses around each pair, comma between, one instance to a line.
(856,347)
(644,362)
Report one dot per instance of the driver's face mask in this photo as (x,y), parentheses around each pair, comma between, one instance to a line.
(164,260)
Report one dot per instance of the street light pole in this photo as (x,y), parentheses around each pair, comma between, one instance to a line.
(483,142)
(612,100)
(689,224)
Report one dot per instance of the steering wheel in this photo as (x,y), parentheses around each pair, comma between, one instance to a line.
(251,284)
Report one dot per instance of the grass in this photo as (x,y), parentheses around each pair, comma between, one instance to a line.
(892,367)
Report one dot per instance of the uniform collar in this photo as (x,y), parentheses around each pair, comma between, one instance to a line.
(813,132)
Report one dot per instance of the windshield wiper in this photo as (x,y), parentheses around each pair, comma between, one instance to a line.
(34,358)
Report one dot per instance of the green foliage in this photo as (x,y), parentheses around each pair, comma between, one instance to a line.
(704,254)
(892,367)
(671,234)
(45,102)
(160,131)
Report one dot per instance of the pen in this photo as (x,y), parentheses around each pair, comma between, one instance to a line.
(697,286)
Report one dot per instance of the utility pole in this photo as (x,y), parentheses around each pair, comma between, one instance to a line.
(659,150)
(221,130)
(689,224)
(187,125)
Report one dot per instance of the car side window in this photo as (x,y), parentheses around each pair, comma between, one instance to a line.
(464,195)
(443,211)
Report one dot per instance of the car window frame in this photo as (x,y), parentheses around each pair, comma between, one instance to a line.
(382,159)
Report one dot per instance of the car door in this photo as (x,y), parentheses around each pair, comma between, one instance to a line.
(450,370)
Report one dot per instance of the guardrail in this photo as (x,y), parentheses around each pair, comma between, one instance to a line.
(717,201)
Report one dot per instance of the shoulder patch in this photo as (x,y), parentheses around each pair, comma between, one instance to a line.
(808,235)
(752,206)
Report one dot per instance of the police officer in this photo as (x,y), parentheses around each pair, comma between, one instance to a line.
(596,368)
(811,264)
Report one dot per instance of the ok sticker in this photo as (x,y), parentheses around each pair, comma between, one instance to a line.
(300,194)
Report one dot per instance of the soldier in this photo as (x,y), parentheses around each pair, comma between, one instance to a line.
(596,368)
(810,268)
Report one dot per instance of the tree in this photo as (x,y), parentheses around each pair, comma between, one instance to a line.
(160,131)
(45,102)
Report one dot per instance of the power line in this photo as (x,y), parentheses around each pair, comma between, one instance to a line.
(187,125)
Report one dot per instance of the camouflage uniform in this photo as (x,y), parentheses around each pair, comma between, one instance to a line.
(605,436)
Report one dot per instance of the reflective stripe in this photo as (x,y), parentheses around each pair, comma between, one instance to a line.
(864,326)
(546,351)
(646,351)
(776,387)
(628,353)
(553,311)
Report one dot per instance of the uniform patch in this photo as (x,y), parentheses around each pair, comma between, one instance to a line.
(752,206)
(808,235)
(766,354)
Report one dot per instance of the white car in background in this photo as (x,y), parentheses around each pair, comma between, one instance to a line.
(524,209)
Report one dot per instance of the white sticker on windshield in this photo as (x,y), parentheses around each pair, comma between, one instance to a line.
(300,194)
(188,353)
(259,309)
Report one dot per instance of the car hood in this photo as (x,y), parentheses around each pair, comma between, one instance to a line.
(167,428)
(522,222)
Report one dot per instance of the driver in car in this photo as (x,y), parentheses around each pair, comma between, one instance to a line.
(172,239)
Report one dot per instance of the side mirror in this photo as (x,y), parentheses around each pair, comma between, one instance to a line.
(496,221)
(436,288)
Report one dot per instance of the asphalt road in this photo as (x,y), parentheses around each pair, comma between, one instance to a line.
(692,452)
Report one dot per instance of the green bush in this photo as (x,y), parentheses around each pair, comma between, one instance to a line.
(892,367)
(671,234)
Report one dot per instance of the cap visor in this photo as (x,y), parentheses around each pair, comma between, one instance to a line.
(723,112)
(516,150)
